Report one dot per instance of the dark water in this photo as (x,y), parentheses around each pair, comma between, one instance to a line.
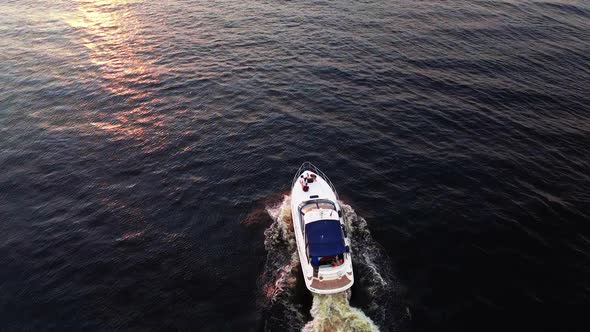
(137,137)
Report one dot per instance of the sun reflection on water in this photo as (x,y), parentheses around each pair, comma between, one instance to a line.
(110,30)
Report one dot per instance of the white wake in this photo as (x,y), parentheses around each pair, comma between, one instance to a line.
(328,312)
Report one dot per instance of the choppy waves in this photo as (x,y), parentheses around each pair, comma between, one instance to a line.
(462,126)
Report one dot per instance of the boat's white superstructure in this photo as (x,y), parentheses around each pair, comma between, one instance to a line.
(322,242)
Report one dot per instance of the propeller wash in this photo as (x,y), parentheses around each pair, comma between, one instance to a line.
(283,300)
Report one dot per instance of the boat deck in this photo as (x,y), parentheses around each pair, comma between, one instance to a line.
(330,284)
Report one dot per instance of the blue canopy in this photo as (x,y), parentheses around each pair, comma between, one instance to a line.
(324,238)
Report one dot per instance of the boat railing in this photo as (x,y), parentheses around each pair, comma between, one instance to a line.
(307,166)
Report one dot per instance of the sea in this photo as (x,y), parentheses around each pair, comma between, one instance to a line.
(147,150)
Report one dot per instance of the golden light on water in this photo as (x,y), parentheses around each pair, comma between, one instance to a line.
(112,39)
(110,30)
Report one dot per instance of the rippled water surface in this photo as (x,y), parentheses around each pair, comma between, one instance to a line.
(142,143)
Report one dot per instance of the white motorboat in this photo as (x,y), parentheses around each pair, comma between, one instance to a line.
(322,242)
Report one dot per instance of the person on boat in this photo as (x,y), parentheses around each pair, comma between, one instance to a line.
(315,261)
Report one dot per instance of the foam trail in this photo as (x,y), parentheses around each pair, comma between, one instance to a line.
(334,313)
(373,277)
(373,273)
(280,273)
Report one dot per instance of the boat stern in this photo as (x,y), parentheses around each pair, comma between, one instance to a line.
(322,285)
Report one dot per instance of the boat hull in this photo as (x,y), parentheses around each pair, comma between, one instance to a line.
(317,200)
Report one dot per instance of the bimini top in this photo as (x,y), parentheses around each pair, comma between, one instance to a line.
(324,238)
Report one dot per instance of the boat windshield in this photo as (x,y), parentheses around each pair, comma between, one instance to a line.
(324,240)
(318,204)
